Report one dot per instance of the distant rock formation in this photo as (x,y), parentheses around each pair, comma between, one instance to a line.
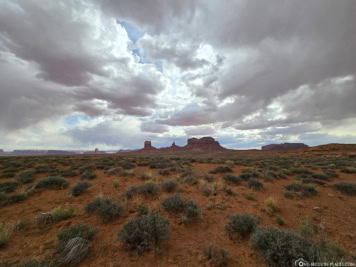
(148,146)
(205,144)
(284,147)
(1,151)
(202,144)
(96,150)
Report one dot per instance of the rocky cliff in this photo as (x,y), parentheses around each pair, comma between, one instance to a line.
(284,147)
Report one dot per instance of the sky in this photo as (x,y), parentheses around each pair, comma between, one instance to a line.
(81,74)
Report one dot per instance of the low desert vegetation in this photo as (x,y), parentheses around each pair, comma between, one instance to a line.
(169,185)
(6,231)
(232,179)
(218,257)
(104,208)
(221,169)
(145,232)
(79,188)
(177,204)
(283,248)
(52,182)
(26,177)
(177,190)
(255,184)
(241,224)
(346,188)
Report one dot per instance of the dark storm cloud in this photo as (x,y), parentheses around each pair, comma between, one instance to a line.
(55,59)
(182,57)
(154,15)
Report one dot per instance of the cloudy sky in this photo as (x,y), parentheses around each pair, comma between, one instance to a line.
(80,74)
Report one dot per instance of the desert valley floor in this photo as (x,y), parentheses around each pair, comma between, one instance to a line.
(310,193)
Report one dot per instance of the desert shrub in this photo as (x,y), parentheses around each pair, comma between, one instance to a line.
(221,169)
(280,221)
(164,172)
(8,187)
(288,194)
(346,188)
(191,211)
(306,190)
(169,185)
(127,165)
(39,263)
(79,188)
(80,230)
(233,179)
(75,250)
(26,177)
(45,218)
(60,214)
(320,176)
(255,184)
(330,174)
(142,209)
(306,228)
(88,176)
(250,197)
(348,170)
(131,191)
(312,181)
(217,256)
(208,178)
(175,203)
(241,224)
(281,248)
(3,199)
(105,208)
(6,231)
(145,232)
(301,171)
(146,176)
(52,182)
(148,189)
(228,191)
(16,198)
(207,190)
(272,205)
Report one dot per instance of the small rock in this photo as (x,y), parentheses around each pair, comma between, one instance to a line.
(317,209)
(330,195)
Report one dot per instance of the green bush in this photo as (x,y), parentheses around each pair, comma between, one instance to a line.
(88,175)
(221,169)
(145,232)
(233,179)
(148,189)
(80,230)
(241,224)
(306,190)
(26,177)
(191,211)
(79,188)
(175,203)
(169,185)
(283,248)
(16,198)
(52,182)
(105,208)
(346,188)
(60,214)
(8,187)
(255,184)
(216,256)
